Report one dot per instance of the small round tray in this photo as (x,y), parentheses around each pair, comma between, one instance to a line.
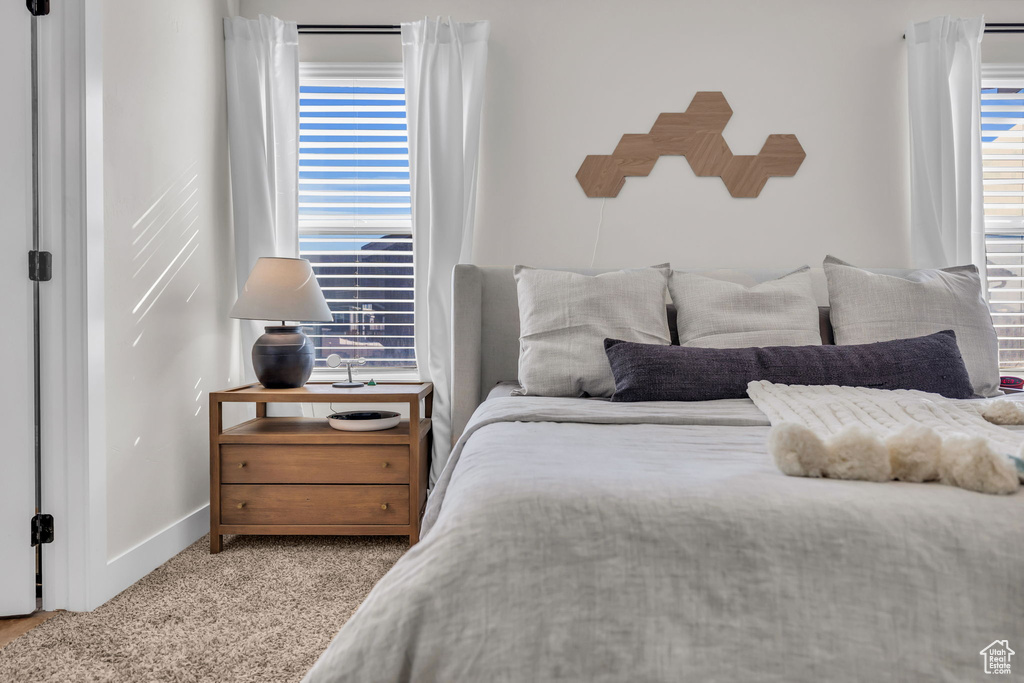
(364,420)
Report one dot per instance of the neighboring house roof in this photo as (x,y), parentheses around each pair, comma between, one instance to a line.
(1001,644)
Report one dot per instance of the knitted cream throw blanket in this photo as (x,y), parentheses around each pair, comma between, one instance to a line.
(880,435)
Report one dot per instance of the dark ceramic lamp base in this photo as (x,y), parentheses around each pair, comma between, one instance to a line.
(283,357)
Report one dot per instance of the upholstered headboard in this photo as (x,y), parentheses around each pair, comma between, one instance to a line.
(485,327)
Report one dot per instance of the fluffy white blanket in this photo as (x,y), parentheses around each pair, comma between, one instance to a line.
(880,435)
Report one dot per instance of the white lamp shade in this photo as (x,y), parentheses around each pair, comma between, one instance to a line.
(282,289)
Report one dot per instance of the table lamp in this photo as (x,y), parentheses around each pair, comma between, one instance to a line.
(282,289)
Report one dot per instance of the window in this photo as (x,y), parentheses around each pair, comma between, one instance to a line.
(1002,123)
(355,223)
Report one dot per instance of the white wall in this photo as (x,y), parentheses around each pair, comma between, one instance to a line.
(168,258)
(568,78)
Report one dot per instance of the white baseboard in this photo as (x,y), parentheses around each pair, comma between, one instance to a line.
(133,564)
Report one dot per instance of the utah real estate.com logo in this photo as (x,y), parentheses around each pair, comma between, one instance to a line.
(997,657)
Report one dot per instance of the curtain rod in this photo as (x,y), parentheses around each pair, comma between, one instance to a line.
(351,29)
(1002,27)
(395,29)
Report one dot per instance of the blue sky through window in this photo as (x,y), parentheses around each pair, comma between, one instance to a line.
(1000,115)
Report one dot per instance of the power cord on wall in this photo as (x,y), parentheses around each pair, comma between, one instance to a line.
(597,237)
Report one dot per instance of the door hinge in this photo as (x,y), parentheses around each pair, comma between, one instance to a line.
(40,266)
(42,529)
(38,7)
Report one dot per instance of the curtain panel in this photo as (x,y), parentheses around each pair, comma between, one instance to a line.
(444,63)
(947,224)
(261,58)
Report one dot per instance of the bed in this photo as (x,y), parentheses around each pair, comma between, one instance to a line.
(585,540)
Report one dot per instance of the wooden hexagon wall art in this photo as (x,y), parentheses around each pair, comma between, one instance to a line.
(697,135)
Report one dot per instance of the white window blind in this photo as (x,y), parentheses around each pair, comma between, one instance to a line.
(1002,123)
(355,210)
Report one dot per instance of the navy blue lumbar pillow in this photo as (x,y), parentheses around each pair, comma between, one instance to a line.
(654,372)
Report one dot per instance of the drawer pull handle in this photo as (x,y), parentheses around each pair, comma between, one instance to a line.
(241,464)
(384,466)
(384,506)
(241,505)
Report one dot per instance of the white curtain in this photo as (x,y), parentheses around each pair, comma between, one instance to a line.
(261,58)
(947,212)
(444,63)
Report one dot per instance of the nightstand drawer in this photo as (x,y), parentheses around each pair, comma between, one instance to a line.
(289,504)
(305,464)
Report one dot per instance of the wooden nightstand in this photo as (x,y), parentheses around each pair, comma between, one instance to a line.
(297,475)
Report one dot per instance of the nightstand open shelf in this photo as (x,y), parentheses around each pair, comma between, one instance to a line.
(313,430)
(297,475)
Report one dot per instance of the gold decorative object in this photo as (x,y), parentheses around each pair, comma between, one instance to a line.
(697,135)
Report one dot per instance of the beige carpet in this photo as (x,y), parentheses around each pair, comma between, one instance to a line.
(262,610)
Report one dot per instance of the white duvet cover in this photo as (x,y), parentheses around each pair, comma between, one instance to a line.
(575,540)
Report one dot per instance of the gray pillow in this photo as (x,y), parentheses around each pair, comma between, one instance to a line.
(565,317)
(720,314)
(870,307)
(645,372)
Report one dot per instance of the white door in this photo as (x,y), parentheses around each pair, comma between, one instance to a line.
(17,478)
